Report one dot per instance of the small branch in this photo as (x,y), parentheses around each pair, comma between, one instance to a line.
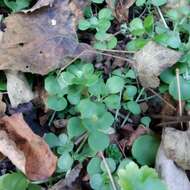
(162,17)
(108,170)
(179,94)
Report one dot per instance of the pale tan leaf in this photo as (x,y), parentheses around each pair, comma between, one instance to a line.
(151,60)
(18,89)
(176,145)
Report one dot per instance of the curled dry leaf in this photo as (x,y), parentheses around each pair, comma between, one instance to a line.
(2,106)
(176,145)
(174,177)
(152,60)
(18,89)
(43,40)
(25,149)
(39,4)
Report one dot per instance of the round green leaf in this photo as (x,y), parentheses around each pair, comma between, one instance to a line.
(97,1)
(145,148)
(167,76)
(146,121)
(52,140)
(96,181)
(130,92)
(136,27)
(184,88)
(136,44)
(94,166)
(56,103)
(105,13)
(158,2)
(112,42)
(65,162)
(133,107)
(112,101)
(52,85)
(84,25)
(111,163)
(98,141)
(74,127)
(115,84)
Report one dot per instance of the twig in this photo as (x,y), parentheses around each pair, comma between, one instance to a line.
(179,94)
(108,170)
(162,17)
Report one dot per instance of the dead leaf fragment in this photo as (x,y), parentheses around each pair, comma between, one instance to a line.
(174,177)
(26,150)
(18,89)
(39,4)
(41,41)
(176,145)
(2,106)
(152,60)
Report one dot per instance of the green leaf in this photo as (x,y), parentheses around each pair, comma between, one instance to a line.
(112,42)
(130,74)
(103,25)
(94,166)
(65,162)
(111,163)
(74,127)
(158,2)
(146,121)
(145,148)
(65,79)
(136,44)
(34,187)
(184,88)
(13,181)
(56,103)
(97,1)
(149,23)
(17,5)
(167,76)
(115,84)
(174,40)
(52,140)
(140,2)
(136,27)
(112,102)
(84,25)
(134,178)
(96,181)
(133,107)
(98,141)
(105,13)
(52,85)
(130,92)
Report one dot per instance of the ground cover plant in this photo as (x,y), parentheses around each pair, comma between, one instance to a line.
(100,116)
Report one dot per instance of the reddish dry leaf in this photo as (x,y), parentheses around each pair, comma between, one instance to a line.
(26,150)
(43,40)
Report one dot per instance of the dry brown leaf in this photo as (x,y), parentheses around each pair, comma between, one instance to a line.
(2,106)
(174,177)
(176,145)
(18,89)
(26,150)
(39,4)
(151,61)
(41,41)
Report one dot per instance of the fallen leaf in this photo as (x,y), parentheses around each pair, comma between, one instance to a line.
(18,89)
(39,4)
(151,60)
(43,40)
(173,4)
(69,183)
(176,145)
(174,177)
(25,149)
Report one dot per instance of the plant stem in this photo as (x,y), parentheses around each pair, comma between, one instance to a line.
(108,170)
(162,17)
(51,118)
(82,144)
(117,111)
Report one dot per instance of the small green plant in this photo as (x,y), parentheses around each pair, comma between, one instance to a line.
(100,23)
(98,174)
(64,148)
(134,178)
(18,181)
